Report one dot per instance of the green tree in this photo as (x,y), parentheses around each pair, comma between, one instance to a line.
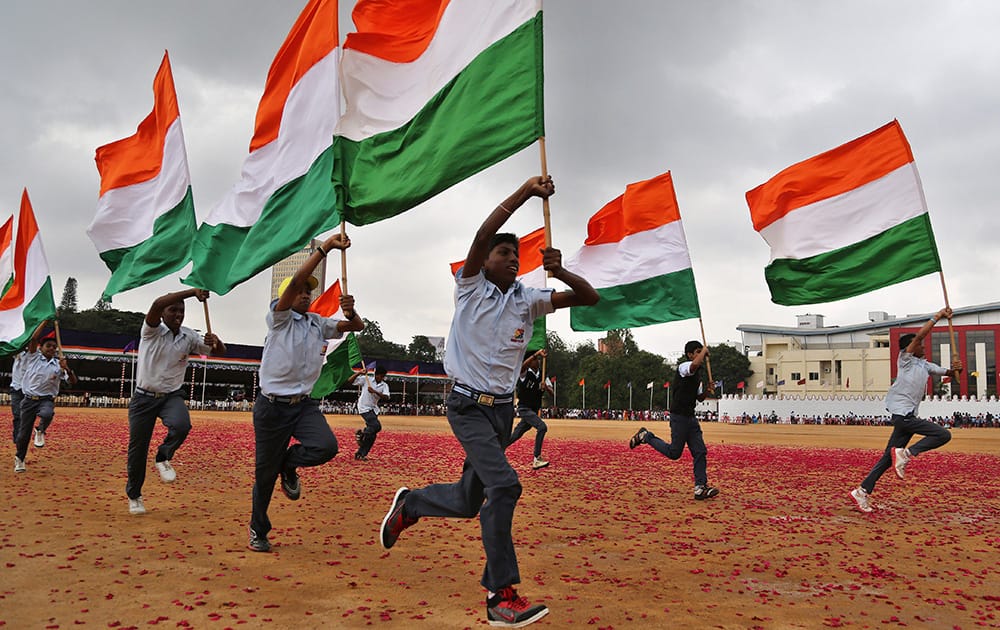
(421,349)
(68,302)
(108,320)
(375,346)
(729,365)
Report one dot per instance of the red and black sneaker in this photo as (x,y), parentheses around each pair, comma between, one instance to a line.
(509,610)
(395,521)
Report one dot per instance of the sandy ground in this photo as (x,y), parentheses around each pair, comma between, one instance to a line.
(606,537)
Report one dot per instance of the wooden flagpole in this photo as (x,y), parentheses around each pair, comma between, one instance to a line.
(208,320)
(55,324)
(545,202)
(951,329)
(708,363)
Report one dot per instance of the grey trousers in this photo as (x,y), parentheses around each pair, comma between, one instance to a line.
(44,410)
(484,433)
(530,420)
(903,429)
(15,410)
(274,425)
(142,414)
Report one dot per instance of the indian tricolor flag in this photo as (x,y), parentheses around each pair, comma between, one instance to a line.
(6,255)
(284,197)
(530,273)
(145,215)
(845,222)
(29,301)
(636,256)
(341,354)
(435,92)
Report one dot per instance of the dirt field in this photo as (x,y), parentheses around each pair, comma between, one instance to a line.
(606,537)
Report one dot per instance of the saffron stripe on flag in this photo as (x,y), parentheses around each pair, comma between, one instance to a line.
(829,174)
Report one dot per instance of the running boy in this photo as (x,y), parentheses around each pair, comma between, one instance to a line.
(373,391)
(493,318)
(530,388)
(684,427)
(40,386)
(291,363)
(164,348)
(902,401)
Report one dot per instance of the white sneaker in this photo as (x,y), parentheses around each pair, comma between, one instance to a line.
(39,439)
(19,464)
(135,506)
(539,463)
(900,458)
(860,496)
(167,472)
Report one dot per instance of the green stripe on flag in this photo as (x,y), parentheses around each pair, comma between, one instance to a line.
(166,251)
(41,307)
(901,253)
(225,255)
(665,298)
(537,341)
(338,367)
(491,110)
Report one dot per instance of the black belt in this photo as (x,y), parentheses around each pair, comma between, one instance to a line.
(40,397)
(146,392)
(483,398)
(286,400)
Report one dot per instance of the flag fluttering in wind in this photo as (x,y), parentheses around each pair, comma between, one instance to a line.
(435,92)
(583,382)
(145,219)
(284,197)
(649,385)
(636,256)
(29,300)
(531,274)
(845,222)
(6,254)
(341,354)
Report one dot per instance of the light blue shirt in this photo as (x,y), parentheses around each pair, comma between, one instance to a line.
(17,370)
(490,332)
(163,356)
(41,376)
(911,382)
(294,351)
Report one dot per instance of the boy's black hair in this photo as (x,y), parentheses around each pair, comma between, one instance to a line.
(381,370)
(505,237)
(692,346)
(904,341)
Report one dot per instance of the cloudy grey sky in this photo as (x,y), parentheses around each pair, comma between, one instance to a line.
(723,94)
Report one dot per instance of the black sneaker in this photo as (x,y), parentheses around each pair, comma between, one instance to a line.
(290,484)
(705,492)
(638,438)
(395,521)
(361,456)
(507,609)
(258,543)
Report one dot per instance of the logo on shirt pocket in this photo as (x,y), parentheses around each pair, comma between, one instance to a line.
(518,336)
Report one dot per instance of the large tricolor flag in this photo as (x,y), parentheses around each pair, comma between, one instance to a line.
(531,274)
(145,215)
(284,197)
(636,256)
(341,354)
(436,91)
(6,255)
(845,222)
(29,300)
